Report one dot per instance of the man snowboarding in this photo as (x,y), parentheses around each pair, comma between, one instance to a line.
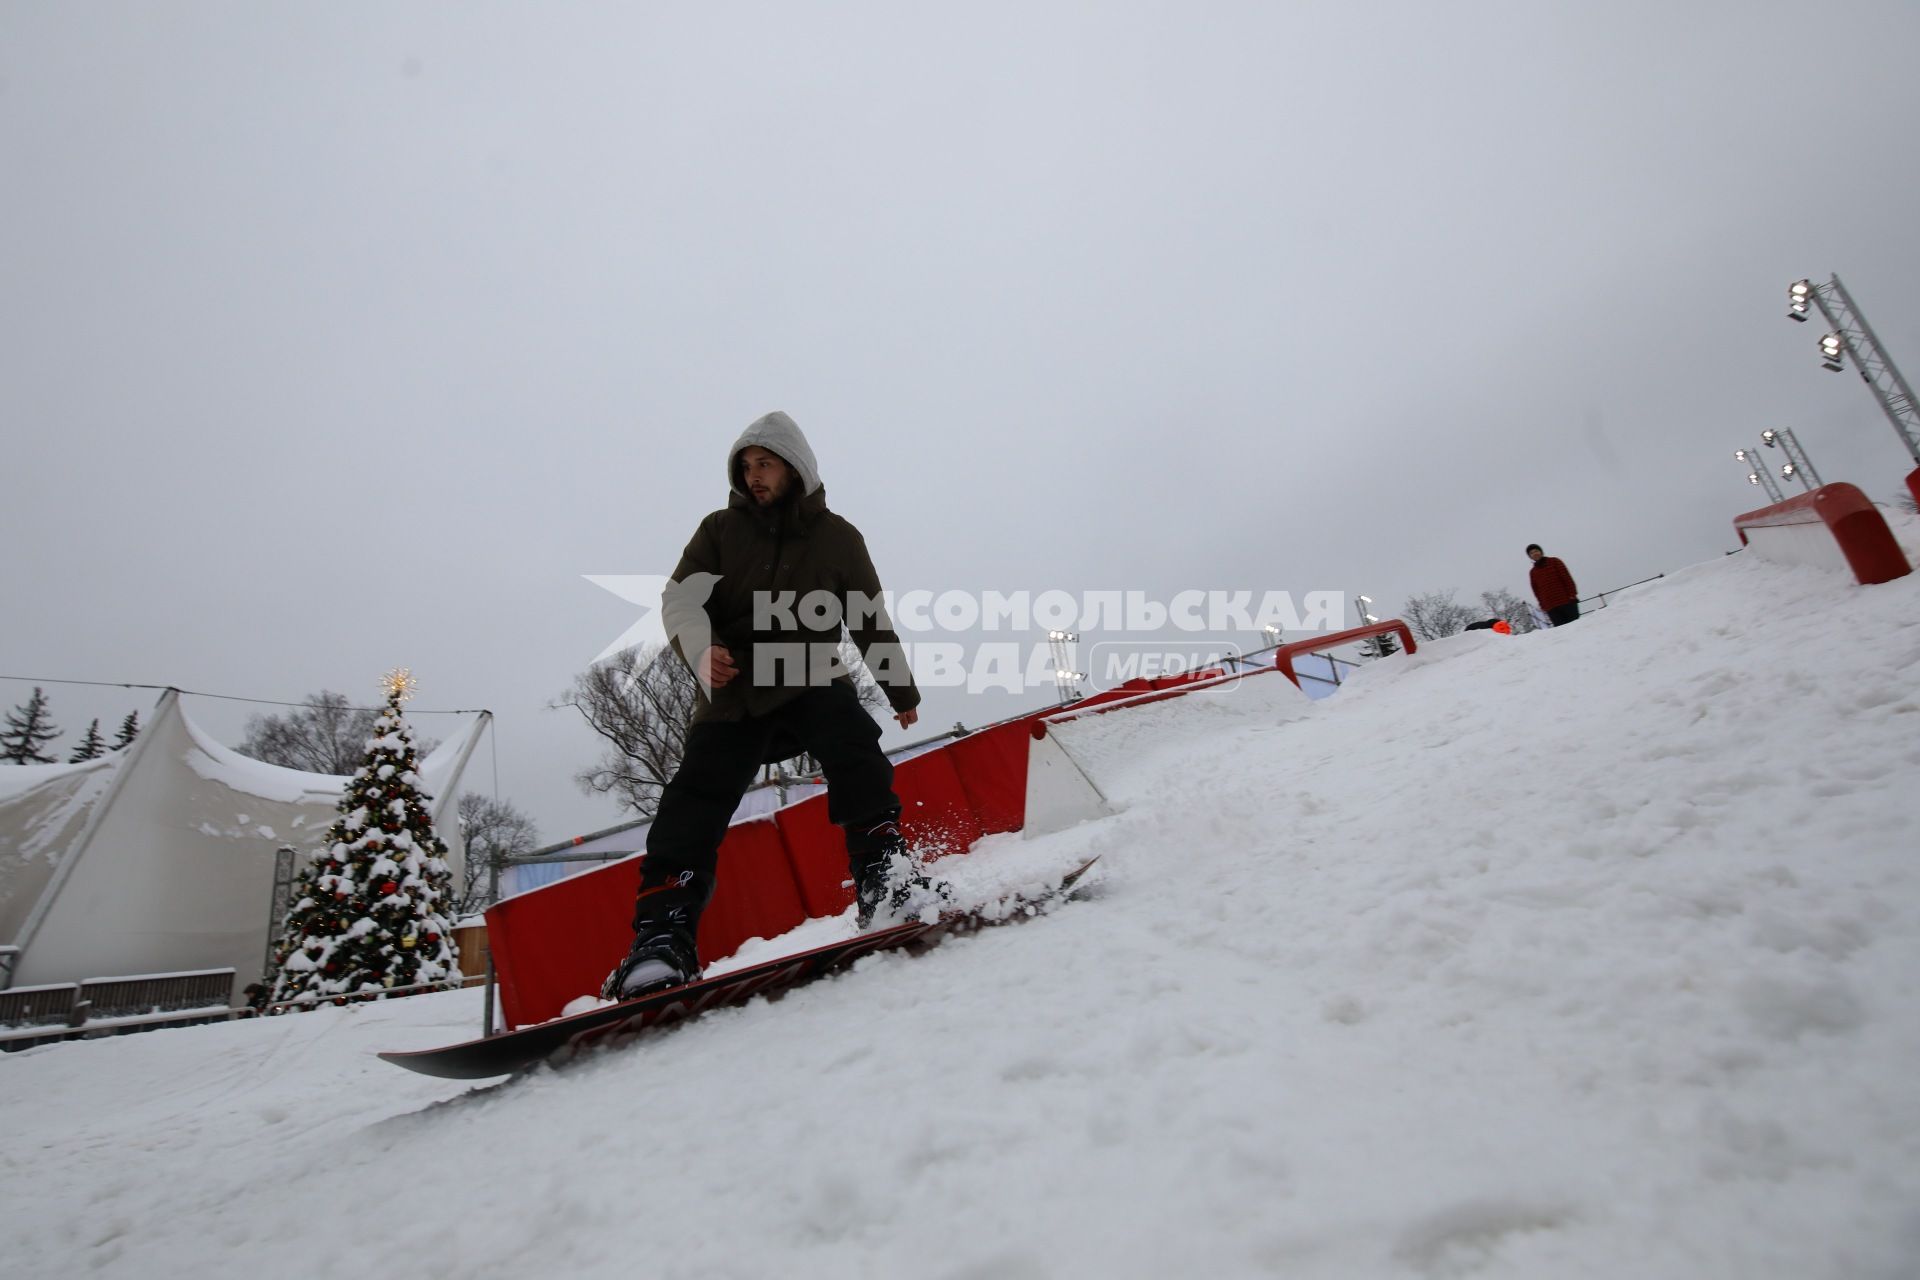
(1553,586)
(755,609)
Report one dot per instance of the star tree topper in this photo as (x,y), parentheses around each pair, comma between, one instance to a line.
(400,684)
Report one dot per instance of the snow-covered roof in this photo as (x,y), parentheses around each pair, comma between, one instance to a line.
(17,780)
(162,856)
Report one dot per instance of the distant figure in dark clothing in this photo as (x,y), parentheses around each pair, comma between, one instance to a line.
(1553,587)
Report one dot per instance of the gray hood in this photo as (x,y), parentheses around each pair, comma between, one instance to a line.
(776,433)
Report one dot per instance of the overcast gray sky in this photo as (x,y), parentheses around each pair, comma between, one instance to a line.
(334,338)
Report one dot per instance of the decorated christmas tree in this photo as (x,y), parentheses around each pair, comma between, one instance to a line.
(369,905)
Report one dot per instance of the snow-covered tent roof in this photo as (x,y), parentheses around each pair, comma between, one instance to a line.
(160,857)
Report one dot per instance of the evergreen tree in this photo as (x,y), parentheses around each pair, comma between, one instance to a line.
(29,728)
(370,906)
(91,747)
(129,730)
(1380,646)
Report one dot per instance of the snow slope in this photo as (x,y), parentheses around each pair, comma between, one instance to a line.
(1588,953)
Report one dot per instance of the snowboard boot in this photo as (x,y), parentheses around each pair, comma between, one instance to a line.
(888,884)
(666,924)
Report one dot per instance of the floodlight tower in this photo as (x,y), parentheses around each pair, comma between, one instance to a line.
(1852,336)
(1798,466)
(1757,473)
(1066,681)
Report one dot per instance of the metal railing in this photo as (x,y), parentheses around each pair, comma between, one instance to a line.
(1602,597)
(304,1003)
(36,1015)
(157,993)
(1283,656)
(40,1006)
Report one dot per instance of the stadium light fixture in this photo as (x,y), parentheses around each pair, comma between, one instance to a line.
(1799,293)
(1852,340)
(1758,472)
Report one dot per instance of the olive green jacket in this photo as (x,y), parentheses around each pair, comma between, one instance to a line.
(782,558)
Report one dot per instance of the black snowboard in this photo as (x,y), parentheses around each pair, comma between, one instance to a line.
(559,1040)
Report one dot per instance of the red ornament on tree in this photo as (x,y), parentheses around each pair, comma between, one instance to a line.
(390,887)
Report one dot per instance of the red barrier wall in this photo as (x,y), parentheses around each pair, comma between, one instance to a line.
(992,768)
(556,943)
(818,854)
(935,813)
(1856,526)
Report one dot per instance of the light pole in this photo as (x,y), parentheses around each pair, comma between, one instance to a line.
(1066,681)
(1757,473)
(1372,646)
(1799,465)
(1851,337)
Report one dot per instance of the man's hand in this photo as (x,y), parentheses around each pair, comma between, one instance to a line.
(715,667)
(907,717)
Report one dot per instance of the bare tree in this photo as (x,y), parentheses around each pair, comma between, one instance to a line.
(642,701)
(494,830)
(1436,614)
(325,735)
(1502,603)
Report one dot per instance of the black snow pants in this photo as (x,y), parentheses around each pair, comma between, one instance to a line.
(1561,615)
(719,764)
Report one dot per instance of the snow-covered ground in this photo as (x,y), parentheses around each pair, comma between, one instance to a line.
(1588,953)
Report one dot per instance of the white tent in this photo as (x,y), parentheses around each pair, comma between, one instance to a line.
(159,858)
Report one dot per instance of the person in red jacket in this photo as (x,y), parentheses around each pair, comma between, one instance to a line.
(1553,587)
